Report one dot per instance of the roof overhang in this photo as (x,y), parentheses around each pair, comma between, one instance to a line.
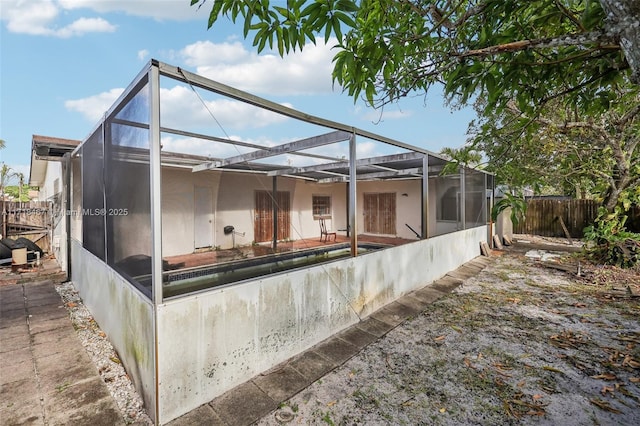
(43,150)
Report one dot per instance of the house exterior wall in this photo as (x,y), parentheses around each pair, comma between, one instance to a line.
(76,200)
(408,208)
(303,221)
(234,204)
(216,340)
(178,206)
(54,171)
(53,189)
(123,313)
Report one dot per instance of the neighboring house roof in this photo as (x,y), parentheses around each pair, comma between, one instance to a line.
(43,150)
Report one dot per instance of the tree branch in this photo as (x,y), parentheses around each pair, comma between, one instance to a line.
(566,12)
(628,116)
(578,87)
(600,38)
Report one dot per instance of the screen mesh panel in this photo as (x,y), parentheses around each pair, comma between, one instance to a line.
(127,189)
(93,234)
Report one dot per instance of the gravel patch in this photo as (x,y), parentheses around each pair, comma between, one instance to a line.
(104,357)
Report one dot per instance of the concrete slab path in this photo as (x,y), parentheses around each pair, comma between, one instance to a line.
(46,375)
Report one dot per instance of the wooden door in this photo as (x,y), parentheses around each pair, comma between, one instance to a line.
(284,216)
(263,219)
(380,213)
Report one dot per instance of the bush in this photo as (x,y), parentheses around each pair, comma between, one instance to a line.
(610,243)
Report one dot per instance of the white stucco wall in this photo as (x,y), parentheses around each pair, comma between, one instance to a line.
(302,221)
(54,184)
(504,225)
(234,204)
(76,200)
(438,186)
(408,208)
(178,203)
(54,171)
(215,340)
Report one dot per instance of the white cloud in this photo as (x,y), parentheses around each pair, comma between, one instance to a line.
(94,107)
(84,26)
(203,53)
(39,18)
(299,73)
(212,149)
(44,17)
(207,148)
(29,17)
(367,149)
(176,10)
(182,108)
(143,54)
(307,72)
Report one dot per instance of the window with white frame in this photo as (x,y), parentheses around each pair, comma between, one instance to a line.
(321,206)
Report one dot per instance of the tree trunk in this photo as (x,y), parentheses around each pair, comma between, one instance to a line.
(611,199)
(615,189)
(624,20)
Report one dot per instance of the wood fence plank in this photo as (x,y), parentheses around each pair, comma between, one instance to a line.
(542,217)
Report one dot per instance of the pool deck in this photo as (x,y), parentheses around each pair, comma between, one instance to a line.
(212,256)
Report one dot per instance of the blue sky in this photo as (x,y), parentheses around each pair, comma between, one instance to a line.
(64,62)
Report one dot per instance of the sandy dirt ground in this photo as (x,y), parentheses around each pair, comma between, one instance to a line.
(524,342)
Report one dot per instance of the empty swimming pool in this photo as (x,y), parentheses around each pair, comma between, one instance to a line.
(187,280)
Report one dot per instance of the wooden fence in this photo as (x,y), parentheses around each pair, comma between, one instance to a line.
(543,217)
(32,220)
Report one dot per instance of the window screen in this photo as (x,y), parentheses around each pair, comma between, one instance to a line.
(128,199)
(475,199)
(93,194)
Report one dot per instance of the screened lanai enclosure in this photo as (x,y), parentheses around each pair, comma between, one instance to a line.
(216,234)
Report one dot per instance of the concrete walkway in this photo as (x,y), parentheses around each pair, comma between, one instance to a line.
(46,375)
(258,397)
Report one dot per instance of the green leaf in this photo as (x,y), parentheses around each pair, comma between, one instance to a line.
(247,25)
(346,19)
(213,16)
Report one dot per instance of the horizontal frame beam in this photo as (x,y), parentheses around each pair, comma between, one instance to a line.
(378,175)
(345,164)
(291,147)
